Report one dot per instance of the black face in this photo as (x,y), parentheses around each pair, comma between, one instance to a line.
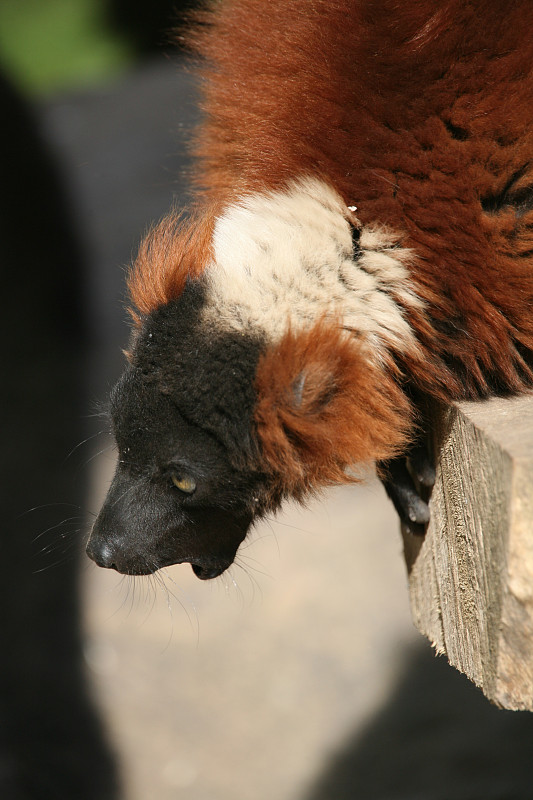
(185,488)
(175,497)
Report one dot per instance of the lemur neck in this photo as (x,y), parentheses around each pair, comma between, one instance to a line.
(288,257)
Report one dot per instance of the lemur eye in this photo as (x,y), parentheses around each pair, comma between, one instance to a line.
(184,483)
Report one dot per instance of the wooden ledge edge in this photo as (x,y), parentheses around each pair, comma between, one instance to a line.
(471,577)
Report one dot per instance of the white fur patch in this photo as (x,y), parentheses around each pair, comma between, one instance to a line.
(288,257)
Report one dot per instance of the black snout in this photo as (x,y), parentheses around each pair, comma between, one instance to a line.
(142,527)
(101,553)
(207,573)
(104,555)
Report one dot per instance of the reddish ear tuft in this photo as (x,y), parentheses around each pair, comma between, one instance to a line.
(171,252)
(323,407)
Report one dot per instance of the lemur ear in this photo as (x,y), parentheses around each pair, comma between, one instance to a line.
(323,406)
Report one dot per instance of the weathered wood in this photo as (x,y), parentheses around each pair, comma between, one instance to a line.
(471,577)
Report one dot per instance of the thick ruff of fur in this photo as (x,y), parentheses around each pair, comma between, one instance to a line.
(287,258)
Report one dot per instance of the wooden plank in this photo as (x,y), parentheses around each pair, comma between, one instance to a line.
(471,577)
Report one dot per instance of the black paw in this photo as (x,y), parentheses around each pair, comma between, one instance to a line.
(408,481)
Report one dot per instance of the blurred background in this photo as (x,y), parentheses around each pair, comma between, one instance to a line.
(297,675)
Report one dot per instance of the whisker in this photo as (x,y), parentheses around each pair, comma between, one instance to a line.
(139,594)
(124,494)
(100,411)
(56,526)
(288,525)
(159,581)
(99,453)
(150,594)
(164,576)
(84,441)
(242,557)
(49,505)
(68,539)
(254,583)
(240,594)
(66,556)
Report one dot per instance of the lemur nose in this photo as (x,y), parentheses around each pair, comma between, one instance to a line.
(100,553)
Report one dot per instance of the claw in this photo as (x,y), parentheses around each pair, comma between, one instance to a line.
(407,480)
(421,464)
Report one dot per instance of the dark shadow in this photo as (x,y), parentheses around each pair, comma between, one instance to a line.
(51,742)
(148,24)
(438,738)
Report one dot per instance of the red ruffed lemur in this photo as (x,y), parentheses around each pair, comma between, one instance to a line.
(362,240)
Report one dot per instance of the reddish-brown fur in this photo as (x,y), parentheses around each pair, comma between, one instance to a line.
(421,114)
(172,251)
(369,95)
(322,408)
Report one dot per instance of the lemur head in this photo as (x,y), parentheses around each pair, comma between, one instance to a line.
(188,480)
(246,383)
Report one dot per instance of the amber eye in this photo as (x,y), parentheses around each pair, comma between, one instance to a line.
(184,483)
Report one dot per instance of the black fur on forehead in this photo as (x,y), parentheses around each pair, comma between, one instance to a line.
(154,439)
(207,373)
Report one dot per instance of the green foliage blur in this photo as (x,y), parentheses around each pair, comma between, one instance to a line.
(51,45)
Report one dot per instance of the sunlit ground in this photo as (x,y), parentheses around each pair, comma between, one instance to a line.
(242,687)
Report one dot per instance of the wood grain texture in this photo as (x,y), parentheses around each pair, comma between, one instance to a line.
(471,577)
